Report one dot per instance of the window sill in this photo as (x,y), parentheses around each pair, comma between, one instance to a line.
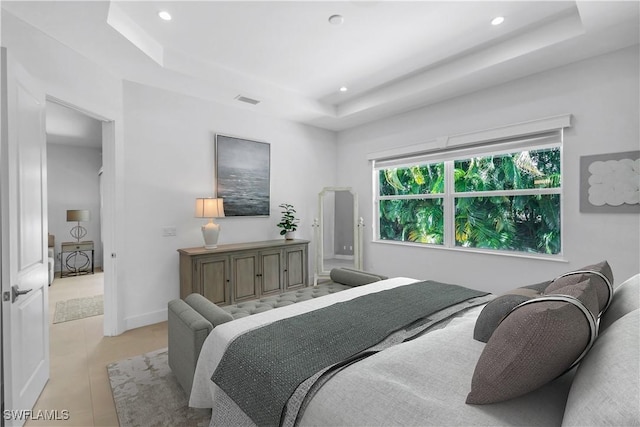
(537,257)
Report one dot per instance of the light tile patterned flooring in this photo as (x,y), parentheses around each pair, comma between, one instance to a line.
(79,354)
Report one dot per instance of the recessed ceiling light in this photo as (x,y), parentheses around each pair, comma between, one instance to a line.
(336,19)
(497,20)
(163,14)
(343,89)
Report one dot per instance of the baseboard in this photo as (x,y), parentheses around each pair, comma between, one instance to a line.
(348,257)
(145,319)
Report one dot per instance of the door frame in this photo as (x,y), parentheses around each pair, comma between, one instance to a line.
(111,324)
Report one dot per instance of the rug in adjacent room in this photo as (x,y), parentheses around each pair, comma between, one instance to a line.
(78,308)
(147,393)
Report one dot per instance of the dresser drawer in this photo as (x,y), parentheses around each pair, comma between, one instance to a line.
(82,246)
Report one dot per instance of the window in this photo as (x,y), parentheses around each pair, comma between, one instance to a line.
(503,196)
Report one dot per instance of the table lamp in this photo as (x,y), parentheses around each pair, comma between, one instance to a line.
(76,215)
(209,207)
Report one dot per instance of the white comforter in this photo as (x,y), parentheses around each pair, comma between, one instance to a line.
(424,382)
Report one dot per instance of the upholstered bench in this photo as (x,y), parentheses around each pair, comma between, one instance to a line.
(192,319)
(248,308)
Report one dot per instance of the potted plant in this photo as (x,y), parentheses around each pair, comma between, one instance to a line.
(289,222)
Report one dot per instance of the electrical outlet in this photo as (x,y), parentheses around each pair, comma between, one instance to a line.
(350,248)
(168,231)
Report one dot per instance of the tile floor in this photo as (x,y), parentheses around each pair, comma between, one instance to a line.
(79,356)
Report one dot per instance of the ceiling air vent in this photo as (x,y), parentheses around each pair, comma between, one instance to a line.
(247,100)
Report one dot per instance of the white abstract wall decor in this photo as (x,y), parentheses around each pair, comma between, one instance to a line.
(610,183)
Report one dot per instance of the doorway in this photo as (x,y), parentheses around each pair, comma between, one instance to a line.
(74,167)
(74,214)
(80,170)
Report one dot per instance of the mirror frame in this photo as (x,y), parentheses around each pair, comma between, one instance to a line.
(358,226)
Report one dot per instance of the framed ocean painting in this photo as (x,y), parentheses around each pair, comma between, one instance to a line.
(243,175)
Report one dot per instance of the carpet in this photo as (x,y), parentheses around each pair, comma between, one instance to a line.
(78,308)
(147,393)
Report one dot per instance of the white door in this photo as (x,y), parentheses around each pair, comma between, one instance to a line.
(25,313)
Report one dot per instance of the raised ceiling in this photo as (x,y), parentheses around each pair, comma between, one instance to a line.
(67,126)
(393,56)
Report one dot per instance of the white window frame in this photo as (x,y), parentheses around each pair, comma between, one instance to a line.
(534,135)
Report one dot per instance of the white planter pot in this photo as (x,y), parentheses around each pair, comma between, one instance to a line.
(290,235)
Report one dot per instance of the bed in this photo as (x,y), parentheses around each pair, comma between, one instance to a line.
(426,378)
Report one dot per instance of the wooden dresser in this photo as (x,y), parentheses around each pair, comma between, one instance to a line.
(244,271)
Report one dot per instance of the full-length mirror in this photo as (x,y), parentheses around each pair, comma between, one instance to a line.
(338,239)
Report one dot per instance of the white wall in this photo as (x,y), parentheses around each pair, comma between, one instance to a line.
(601,94)
(73,183)
(169,161)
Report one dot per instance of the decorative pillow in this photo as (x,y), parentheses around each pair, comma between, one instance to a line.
(538,341)
(601,278)
(493,313)
(606,387)
(352,277)
(584,291)
(379,276)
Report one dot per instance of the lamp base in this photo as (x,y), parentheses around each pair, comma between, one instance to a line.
(210,233)
(78,232)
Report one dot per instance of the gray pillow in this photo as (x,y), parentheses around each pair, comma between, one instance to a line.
(537,342)
(352,277)
(379,276)
(493,313)
(584,291)
(601,278)
(605,389)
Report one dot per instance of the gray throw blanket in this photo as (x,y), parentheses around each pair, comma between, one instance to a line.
(262,368)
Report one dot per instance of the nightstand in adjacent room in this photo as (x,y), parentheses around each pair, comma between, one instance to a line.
(74,258)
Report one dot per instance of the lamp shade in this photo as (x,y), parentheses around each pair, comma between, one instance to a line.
(78,215)
(209,207)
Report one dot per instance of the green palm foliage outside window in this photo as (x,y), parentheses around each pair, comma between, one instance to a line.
(413,218)
(419,179)
(514,171)
(516,223)
(505,202)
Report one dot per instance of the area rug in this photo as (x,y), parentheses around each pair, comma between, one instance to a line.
(78,308)
(147,393)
